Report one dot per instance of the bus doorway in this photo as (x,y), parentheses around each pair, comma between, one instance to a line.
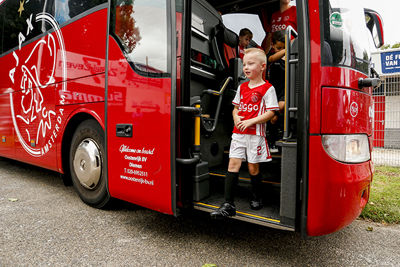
(207,93)
(319,182)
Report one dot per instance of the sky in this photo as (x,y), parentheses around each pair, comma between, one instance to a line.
(389,10)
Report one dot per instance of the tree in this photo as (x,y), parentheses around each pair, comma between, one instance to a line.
(388,46)
(396,45)
(125,26)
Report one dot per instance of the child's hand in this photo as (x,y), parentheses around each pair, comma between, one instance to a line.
(274,119)
(237,120)
(243,125)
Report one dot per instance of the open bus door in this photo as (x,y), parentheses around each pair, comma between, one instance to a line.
(139,103)
(210,79)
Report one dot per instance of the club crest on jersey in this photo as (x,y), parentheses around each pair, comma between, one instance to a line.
(255,97)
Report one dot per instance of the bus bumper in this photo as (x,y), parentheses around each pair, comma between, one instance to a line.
(337,192)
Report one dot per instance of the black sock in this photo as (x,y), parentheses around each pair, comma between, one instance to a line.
(256,184)
(231,181)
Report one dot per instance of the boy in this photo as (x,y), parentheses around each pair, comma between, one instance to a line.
(276,76)
(245,36)
(276,66)
(255,102)
(279,21)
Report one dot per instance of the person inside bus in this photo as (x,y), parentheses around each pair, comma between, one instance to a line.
(276,76)
(254,104)
(280,20)
(245,37)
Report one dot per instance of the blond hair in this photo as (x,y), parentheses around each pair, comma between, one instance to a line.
(258,53)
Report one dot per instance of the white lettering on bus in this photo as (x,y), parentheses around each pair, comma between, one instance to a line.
(127,149)
(12,71)
(30,26)
(21,39)
(62,100)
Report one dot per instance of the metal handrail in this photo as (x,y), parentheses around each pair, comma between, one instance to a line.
(220,95)
(289,32)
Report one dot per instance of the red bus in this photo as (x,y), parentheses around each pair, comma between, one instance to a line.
(131,100)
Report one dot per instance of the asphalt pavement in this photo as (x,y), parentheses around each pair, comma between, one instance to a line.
(43,222)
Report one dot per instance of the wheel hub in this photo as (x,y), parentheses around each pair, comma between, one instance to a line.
(88,163)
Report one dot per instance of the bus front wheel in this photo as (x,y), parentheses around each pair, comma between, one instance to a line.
(86,163)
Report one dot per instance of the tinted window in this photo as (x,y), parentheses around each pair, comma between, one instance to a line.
(141,29)
(65,10)
(15,17)
(345,37)
(1,32)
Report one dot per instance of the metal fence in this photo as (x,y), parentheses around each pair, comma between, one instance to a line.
(387,122)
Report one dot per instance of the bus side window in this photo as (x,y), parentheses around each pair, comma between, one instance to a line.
(16,19)
(1,31)
(64,10)
(140,27)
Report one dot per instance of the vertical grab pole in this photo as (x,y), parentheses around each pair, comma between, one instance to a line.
(288,34)
(287,76)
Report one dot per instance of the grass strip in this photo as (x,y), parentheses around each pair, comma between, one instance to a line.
(384,200)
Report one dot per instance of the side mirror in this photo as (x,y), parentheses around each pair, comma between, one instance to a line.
(374,23)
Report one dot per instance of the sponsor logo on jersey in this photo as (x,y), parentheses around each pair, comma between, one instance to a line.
(248,107)
(276,28)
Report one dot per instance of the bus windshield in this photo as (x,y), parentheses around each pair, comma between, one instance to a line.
(344,35)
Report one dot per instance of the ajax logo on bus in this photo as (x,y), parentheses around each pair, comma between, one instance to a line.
(37,121)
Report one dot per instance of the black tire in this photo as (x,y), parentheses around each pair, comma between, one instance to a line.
(88,144)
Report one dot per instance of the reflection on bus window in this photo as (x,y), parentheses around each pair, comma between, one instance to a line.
(141,27)
(346,40)
(64,10)
(61,11)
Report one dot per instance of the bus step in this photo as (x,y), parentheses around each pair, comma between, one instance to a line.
(243,178)
(246,216)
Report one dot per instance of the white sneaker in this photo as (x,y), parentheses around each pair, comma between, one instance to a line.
(273,149)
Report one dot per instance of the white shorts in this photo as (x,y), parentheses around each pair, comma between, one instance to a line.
(253,148)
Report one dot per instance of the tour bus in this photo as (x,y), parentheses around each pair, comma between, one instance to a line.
(132,100)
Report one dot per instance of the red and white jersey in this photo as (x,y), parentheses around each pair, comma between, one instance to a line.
(241,51)
(253,102)
(280,21)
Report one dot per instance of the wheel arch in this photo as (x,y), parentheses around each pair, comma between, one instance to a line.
(72,123)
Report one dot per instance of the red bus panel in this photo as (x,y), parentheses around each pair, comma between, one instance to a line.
(139,167)
(346,111)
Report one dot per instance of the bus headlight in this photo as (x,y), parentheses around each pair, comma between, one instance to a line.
(352,148)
